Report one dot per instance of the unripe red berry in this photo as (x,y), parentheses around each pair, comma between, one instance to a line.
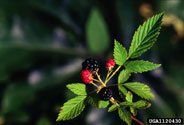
(110,64)
(86,76)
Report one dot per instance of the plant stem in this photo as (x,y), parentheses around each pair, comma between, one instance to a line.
(100,79)
(96,80)
(113,74)
(94,84)
(133,118)
(108,73)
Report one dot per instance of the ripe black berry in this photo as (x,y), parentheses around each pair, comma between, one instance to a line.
(91,65)
(105,94)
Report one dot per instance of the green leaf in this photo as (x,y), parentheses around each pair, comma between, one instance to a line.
(122,89)
(98,39)
(77,88)
(103,104)
(129,97)
(140,66)
(145,36)
(141,104)
(125,104)
(123,76)
(120,53)
(133,111)
(122,104)
(112,108)
(140,89)
(72,108)
(125,115)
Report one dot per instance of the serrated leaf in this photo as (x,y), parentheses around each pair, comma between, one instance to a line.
(125,104)
(140,89)
(122,89)
(120,53)
(77,88)
(129,96)
(123,76)
(103,104)
(133,111)
(72,108)
(125,115)
(112,108)
(140,66)
(98,39)
(141,104)
(145,36)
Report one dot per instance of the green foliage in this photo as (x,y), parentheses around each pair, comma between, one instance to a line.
(120,53)
(77,88)
(140,66)
(122,89)
(112,108)
(140,89)
(143,40)
(133,111)
(42,42)
(125,115)
(72,108)
(97,33)
(145,36)
(141,104)
(103,104)
(123,76)
(125,104)
(129,96)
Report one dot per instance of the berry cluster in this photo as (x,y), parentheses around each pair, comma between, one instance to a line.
(90,69)
(105,93)
(91,65)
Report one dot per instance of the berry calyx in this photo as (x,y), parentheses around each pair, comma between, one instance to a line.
(110,64)
(105,93)
(86,76)
(90,64)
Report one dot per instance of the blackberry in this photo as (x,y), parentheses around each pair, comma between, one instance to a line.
(91,65)
(105,94)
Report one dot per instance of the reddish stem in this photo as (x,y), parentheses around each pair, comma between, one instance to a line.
(137,120)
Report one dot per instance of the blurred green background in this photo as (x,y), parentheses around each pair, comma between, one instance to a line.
(43,42)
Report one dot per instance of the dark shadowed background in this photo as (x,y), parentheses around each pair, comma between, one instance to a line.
(43,42)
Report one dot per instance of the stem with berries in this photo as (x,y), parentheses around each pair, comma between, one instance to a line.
(91,68)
